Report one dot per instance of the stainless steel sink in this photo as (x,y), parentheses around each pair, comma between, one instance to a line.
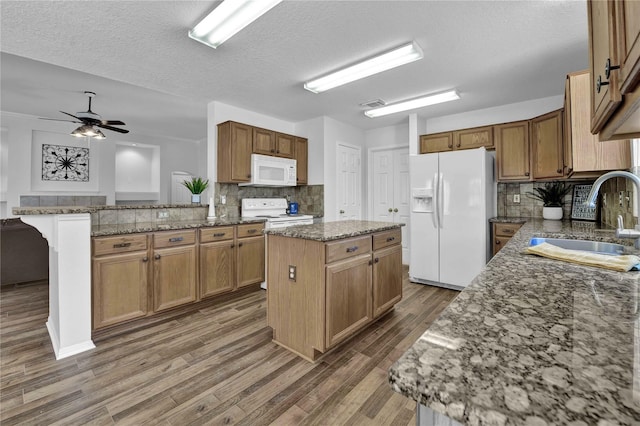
(584,245)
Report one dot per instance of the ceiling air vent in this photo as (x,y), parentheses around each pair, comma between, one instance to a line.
(373,104)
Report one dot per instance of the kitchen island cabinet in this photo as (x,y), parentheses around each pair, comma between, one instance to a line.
(327,281)
(532,341)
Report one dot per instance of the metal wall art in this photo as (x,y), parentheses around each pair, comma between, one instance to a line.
(65,163)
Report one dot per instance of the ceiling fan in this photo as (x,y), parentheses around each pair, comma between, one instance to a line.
(89,119)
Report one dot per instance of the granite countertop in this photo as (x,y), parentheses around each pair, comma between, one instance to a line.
(166,225)
(328,231)
(533,341)
(92,209)
(505,219)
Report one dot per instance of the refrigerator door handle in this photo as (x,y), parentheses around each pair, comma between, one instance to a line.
(434,216)
(440,204)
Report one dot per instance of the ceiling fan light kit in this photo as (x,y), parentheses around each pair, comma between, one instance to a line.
(227,19)
(420,102)
(402,55)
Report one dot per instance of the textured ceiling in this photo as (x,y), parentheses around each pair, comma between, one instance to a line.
(136,55)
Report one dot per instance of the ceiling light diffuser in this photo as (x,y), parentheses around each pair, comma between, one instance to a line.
(87,130)
(386,61)
(228,18)
(413,104)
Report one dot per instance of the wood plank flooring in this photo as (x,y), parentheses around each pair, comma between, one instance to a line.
(214,366)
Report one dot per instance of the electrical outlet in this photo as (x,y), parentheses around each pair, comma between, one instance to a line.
(620,198)
(292,272)
(163,215)
(516,198)
(223,199)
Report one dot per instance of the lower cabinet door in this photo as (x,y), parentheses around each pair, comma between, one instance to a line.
(217,268)
(250,261)
(119,288)
(387,279)
(348,297)
(174,277)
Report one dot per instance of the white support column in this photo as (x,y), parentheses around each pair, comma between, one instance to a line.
(69,238)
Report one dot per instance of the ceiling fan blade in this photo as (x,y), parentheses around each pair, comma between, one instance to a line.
(112,122)
(71,115)
(115,129)
(57,119)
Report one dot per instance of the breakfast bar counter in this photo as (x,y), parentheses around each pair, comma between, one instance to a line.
(532,341)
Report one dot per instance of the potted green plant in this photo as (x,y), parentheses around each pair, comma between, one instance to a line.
(552,197)
(196,185)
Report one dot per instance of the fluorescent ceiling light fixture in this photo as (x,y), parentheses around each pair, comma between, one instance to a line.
(228,18)
(413,104)
(386,61)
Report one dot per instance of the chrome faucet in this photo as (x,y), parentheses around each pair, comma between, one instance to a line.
(621,232)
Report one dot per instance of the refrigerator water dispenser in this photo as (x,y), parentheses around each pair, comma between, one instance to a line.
(422,200)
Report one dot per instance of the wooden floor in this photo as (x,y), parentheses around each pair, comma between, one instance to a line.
(214,366)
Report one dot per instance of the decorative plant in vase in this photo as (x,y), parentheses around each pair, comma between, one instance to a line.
(552,197)
(196,185)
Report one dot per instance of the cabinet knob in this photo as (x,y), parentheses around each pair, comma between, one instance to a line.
(145,259)
(239,244)
(526,173)
(376,260)
(233,245)
(390,209)
(559,171)
(497,241)
(458,145)
(395,210)
(249,175)
(450,145)
(608,68)
(156,257)
(273,150)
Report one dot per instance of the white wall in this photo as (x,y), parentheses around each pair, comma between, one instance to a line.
(21,173)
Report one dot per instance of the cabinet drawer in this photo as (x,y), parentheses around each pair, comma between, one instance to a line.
(506,229)
(387,238)
(250,229)
(119,244)
(344,249)
(174,238)
(499,242)
(208,235)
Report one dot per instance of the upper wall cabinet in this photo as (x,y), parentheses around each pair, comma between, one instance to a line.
(237,141)
(546,146)
(459,139)
(584,155)
(512,151)
(614,57)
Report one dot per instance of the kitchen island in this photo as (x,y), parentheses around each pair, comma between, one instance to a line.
(532,341)
(327,281)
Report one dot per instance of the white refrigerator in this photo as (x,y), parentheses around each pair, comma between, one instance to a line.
(452,200)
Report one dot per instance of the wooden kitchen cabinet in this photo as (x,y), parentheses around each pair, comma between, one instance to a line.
(502,233)
(474,138)
(174,269)
(217,261)
(614,41)
(285,145)
(235,145)
(349,297)
(436,142)
(512,151)
(120,268)
(264,141)
(250,260)
(301,151)
(321,293)
(546,146)
(584,155)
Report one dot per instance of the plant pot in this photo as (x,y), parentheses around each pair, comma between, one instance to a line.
(552,213)
(195,198)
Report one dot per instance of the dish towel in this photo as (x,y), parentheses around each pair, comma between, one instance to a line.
(622,263)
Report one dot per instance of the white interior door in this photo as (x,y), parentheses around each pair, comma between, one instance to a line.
(349,182)
(179,193)
(390,191)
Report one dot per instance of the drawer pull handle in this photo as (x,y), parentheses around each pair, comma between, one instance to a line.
(508,231)
(252,231)
(121,245)
(176,239)
(219,234)
(352,249)
(390,239)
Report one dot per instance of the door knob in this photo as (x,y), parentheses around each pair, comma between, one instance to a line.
(341,211)
(395,210)
(390,209)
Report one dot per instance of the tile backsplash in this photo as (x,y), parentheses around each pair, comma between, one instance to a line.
(609,206)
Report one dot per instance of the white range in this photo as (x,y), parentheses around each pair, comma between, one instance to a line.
(274,210)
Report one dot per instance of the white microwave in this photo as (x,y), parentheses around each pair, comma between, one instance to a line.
(271,171)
